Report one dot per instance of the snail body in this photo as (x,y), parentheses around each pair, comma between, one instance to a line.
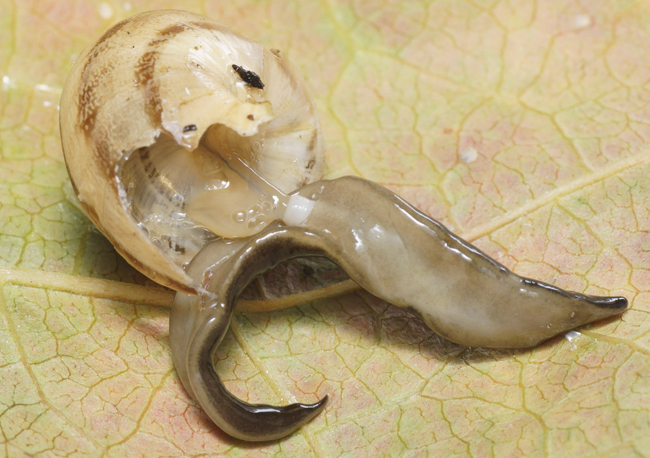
(197,153)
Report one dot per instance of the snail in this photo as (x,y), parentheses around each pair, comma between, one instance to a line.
(140,112)
(199,155)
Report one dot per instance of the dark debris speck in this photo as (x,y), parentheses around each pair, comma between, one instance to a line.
(249,77)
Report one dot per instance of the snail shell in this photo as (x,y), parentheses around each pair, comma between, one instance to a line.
(151,117)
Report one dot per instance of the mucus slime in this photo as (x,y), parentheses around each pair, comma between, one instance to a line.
(198,154)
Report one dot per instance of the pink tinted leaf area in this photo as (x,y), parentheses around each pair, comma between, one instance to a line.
(523,126)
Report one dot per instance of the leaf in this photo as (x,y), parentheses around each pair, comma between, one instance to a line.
(521,125)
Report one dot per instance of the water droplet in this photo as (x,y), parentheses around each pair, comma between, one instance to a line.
(215,184)
(105,10)
(256,223)
(548,326)
(572,336)
(6,83)
(572,314)
(177,216)
(239,217)
(254,210)
(151,217)
(469,154)
(257,149)
(44,88)
(581,21)
(177,198)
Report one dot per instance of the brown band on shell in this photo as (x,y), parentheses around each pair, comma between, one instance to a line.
(144,72)
(102,156)
(89,210)
(146,68)
(173,30)
(87,98)
(112,31)
(209,26)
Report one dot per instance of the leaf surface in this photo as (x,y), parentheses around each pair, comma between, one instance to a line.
(521,125)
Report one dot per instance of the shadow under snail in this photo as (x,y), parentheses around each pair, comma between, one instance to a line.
(197,153)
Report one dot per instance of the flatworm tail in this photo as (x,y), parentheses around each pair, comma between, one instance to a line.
(196,330)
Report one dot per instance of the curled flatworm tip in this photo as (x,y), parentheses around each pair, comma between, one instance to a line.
(608,305)
(618,303)
(315,407)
